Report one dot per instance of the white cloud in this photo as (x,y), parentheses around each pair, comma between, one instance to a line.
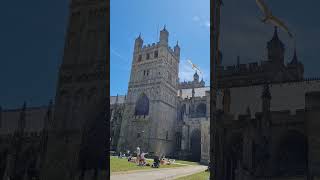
(208,24)
(124,63)
(119,55)
(196,18)
(201,21)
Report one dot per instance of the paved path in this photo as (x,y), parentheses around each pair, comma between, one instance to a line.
(160,174)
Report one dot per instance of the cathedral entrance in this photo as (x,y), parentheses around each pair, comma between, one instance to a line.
(195,145)
(292,154)
(233,155)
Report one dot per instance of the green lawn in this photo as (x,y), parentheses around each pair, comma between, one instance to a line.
(198,176)
(117,165)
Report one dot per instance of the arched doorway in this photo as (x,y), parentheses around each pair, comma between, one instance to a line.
(195,145)
(233,155)
(292,154)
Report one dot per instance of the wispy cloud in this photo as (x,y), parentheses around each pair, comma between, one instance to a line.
(196,18)
(124,63)
(116,53)
(201,21)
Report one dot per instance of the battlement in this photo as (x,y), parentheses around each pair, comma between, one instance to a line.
(276,116)
(197,98)
(252,67)
(150,46)
(191,84)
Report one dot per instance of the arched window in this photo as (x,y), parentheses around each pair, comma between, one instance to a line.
(142,105)
(201,110)
(178,141)
(182,111)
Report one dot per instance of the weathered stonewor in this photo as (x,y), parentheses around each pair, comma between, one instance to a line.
(76,137)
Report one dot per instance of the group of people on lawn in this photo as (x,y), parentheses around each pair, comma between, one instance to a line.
(140,159)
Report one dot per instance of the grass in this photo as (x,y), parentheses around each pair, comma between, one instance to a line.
(117,165)
(198,176)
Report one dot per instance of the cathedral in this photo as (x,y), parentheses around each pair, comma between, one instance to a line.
(262,110)
(266,123)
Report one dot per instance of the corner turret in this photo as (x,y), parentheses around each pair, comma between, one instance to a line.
(138,43)
(176,50)
(164,36)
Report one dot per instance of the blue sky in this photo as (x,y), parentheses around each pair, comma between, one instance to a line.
(32,40)
(187,21)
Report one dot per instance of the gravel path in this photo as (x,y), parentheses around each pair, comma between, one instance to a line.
(159,174)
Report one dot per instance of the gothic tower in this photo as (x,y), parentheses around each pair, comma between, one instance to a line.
(80,94)
(276,49)
(150,114)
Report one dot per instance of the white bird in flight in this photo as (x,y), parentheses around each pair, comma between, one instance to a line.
(269,18)
(194,67)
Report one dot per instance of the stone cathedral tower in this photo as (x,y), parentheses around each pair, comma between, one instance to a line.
(150,114)
(78,127)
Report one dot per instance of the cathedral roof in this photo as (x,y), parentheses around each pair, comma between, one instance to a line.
(198,92)
(113,99)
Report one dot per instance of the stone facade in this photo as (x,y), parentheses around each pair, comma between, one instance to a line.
(270,143)
(190,113)
(72,144)
(150,112)
(117,107)
(76,148)
(264,118)
(23,135)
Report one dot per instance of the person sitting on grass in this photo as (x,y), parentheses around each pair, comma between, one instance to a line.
(129,158)
(138,155)
(133,160)
(142,161)
(156,162)
(163,161)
